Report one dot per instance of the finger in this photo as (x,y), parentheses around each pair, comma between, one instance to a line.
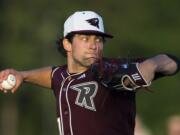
(13,90)
(5,91)
(4,74)
(1,88)
(15,87)
(1,77)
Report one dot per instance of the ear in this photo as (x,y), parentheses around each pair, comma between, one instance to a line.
(67,45)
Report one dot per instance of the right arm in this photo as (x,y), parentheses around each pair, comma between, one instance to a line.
(41,77)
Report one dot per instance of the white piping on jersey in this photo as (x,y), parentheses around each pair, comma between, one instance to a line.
(59,125)
(60,109)
(62,76)
(70,122)
(59,119)
(52,74)
(60,106)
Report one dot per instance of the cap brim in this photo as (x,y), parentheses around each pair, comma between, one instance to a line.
(93,32)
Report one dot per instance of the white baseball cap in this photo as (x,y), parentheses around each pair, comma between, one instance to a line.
(85,22)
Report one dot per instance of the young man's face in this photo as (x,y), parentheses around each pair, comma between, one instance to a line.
(86,49)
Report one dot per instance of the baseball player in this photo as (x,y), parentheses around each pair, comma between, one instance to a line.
(94,95)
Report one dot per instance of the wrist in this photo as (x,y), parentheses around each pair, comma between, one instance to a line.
(24,76)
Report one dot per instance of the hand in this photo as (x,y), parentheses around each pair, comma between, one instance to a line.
(19,79)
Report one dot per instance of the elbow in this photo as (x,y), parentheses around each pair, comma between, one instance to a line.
(174,64)
(164,63)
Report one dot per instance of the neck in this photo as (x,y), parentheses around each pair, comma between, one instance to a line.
(74,67)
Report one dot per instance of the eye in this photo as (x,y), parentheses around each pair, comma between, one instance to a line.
(99,39)
(84,38)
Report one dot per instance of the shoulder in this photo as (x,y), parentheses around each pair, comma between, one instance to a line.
(56,70)
(57,76)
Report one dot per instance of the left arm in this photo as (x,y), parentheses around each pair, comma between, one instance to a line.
(136,74)
(162,64)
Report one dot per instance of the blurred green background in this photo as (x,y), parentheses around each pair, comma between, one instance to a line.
(29,29)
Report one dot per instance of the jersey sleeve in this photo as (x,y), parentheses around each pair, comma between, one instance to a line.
(52,75)
(56,79)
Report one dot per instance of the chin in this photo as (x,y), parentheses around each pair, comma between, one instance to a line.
(89,62)
(93,60)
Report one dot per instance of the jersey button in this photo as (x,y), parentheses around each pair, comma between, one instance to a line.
(66,112)
(69,79)
(64,89)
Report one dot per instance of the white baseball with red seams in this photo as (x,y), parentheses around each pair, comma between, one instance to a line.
(9,83)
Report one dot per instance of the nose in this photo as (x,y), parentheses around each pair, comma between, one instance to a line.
(93,45)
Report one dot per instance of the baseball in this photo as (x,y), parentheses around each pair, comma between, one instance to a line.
(9,83)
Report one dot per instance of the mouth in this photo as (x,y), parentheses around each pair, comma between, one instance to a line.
(92,57)
(92,54)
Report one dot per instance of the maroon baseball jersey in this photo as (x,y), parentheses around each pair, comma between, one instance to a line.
(86,107)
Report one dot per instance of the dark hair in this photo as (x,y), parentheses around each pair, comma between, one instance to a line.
(59,43)
(69,37)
